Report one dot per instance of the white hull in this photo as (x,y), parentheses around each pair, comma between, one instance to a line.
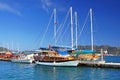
(67,63)
(22,60)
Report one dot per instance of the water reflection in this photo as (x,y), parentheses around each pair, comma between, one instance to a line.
(72,73)
(17,71)
(56,73)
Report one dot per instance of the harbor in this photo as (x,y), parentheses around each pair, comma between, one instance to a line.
(36,72)
(94,64)
(63,56)
(59,40)
(101,63)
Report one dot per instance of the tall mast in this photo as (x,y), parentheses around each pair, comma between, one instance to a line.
(76,27)
(18,49)
(8,46)
(12,46)
(101,54)
(71,26)
(91,28)
(55,25)
(3,46)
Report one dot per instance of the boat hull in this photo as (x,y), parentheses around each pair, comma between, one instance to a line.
(22,61)
(66,63)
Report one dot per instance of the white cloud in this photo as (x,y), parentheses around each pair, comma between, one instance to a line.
(6,7)
(46,4)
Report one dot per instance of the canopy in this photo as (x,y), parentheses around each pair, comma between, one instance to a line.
(85,52)
(62,52)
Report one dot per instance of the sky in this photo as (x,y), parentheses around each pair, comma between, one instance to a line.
(28,24)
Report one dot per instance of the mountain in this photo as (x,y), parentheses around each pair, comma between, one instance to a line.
(3,49)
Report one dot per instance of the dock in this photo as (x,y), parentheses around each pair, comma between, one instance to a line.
(99,64)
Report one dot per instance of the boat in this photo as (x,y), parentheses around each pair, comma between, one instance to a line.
(2,55)
(23,58)
(50,57)
(65,63)
(88,54)
(5,55)
(57,56)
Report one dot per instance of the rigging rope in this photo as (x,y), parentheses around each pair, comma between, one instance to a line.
(83,25)
(61,26)
(46,29)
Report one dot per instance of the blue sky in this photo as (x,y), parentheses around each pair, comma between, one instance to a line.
(23,22)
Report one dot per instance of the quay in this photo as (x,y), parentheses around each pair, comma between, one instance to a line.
(100,64)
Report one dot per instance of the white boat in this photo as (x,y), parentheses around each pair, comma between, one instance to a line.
(66,63)
(24,58)
(52,58)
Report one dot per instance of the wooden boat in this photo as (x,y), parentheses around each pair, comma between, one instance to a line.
(52,58)
(2,55)
(23,58)
(5,56)
(87,54)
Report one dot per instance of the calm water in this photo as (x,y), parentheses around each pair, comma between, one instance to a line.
(17,71)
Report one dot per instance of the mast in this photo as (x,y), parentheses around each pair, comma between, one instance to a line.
(3,47)
(12,46)
(71,26)
(18,50)
(91,29)
(76,27)
(55,25)
(8,47)
(101,54)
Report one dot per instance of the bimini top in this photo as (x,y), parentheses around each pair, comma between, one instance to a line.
(62,47)
(63,50)
(86,52)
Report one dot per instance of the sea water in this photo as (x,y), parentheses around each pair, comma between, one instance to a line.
(18,71)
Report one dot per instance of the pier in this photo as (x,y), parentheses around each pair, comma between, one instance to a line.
(99,64)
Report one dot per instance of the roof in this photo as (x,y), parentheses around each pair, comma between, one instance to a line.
(85,52)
